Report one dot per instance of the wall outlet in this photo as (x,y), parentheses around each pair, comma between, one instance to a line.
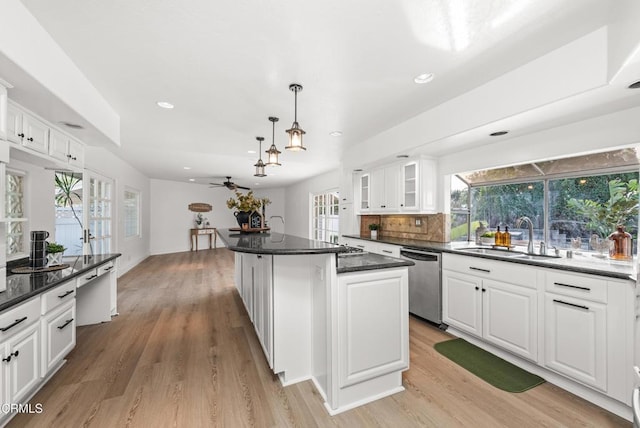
(418,222)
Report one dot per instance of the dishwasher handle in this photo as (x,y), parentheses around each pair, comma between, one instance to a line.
(420,256)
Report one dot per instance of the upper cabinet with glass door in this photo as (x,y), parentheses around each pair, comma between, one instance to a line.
(365,192)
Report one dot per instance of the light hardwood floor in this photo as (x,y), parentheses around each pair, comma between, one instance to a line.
(183,353)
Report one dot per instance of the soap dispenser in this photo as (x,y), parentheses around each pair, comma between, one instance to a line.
(621,248)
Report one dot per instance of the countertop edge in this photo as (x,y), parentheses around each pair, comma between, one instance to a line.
(279,251)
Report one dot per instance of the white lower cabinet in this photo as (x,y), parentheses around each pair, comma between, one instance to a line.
(58,336)
(582,327)
(373,325)
(490,305)
(575,339)
(21,363)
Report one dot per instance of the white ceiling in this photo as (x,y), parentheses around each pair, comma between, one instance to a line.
(227,66)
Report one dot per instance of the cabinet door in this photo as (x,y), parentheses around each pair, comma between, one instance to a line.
(347,220)
(36,134)
(58,336)
(410,200)
(14,125)
(377,190)
(264,318)
(373,331)
(509,317)
(24,373)
(392,188)
(428,185)
(575,339)
(365,192)
(76,153)
(462,302)
(58,145)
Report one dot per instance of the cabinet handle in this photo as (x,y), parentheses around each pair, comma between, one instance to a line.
(259,257)
(108,268)
(6,360)
(69,321)
(571,304)
(30,139)
(69,156)
(402,205)
(15,354)
(484,290)
(88,278)
(13,325)
(21,136)
(479,269)
(360,246)
(571,286)
(387,251)
(74,158)
(383,206)
(62,296)
(477,288)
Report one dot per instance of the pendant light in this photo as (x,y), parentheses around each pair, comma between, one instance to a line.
(260,165)
(295,133)
(273,152)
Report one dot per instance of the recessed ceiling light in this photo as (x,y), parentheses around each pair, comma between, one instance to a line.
(165,104)
(192,179)
(335,133)
(635,85)
(251,152)
(257,184)
(498,133)
(357,170)
(402,156)
(186,167)
(423,78)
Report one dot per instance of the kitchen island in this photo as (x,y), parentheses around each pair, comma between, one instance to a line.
(340,321)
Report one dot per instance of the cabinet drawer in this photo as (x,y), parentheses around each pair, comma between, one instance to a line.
(16,319)
(512,273)
(387,250)
(87,276)
(105,268)
(59,295)
(577,285)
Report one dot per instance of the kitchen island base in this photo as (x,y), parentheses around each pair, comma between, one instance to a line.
(347,333)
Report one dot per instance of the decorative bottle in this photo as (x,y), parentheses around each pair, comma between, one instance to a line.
(621,248)
(506,237)
(499,237)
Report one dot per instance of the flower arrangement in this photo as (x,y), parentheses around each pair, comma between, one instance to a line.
(201,221)
(246,202)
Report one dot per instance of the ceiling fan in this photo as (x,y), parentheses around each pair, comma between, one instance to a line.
(229,185)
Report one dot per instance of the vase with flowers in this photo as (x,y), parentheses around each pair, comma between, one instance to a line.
(244,206)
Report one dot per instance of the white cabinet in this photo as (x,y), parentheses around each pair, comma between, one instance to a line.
(347,220)
(26,130)
(410,200)
(21,362)
(58,335)
(365,192)
(256,291)
(575,339)
(385,189)
(576,327)
(65,149)
(492,300)
(3,110)
(428,187)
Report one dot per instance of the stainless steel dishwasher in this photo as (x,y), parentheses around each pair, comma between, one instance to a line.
(425,284)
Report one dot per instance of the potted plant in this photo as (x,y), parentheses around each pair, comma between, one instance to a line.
(373,228)
(244,205)
(54,253)
(488,238)
(201,221)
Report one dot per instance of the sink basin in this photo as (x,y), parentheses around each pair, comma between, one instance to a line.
(509,254)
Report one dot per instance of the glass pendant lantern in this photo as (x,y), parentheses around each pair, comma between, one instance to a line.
(295,133)
(260,165)
(273,152)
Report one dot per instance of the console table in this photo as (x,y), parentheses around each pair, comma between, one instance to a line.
(211,231)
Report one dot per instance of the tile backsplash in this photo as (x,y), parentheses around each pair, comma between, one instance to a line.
(432,227)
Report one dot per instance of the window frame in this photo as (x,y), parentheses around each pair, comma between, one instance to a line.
(138,207)
(336,217)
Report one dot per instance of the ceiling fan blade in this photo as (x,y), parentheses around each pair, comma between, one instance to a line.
(241,187)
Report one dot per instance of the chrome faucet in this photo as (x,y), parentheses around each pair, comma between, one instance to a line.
(277,216)
(530,224)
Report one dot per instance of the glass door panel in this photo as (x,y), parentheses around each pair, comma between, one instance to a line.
(97,238)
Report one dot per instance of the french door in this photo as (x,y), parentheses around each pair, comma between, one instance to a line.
(98,213)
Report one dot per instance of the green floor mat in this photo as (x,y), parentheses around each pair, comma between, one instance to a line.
(494,370)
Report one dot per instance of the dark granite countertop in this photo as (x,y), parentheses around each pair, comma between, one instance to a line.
(275,243)
(356,262)
(581,263)
(21,287)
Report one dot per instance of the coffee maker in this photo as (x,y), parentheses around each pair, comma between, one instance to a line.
(38,254)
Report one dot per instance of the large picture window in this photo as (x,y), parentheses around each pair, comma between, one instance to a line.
(324,217)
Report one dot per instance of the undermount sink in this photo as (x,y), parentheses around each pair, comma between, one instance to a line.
(509,254)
